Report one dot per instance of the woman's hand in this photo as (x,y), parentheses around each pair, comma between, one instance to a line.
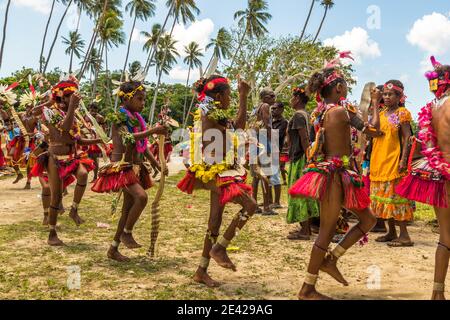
(243,87)
(376,96)
(75,99)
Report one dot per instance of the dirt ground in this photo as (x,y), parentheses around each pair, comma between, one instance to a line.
(269,265)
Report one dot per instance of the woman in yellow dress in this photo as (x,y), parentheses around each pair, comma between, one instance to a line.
(388,164)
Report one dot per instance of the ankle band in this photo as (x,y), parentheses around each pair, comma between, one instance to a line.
(439,287)
(311,279)
(204,262)
(223,242)
(52,228)
(127,231)
(75,205)
(115,244)
(338,251)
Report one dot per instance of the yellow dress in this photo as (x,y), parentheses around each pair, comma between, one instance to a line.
(384,173)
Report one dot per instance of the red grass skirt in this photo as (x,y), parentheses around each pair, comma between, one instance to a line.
(113,178)
(315,184)
(66,168)
(424,184)
(230,187)
(94,151)
(154,149)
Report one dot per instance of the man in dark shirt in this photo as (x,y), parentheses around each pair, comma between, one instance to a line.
(299,210)
(278,123)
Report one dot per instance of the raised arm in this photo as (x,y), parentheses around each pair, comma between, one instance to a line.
(70,115)
(375,103)
(244,89)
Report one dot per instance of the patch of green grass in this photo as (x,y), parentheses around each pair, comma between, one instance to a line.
(424,213)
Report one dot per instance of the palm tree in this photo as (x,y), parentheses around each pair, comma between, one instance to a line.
(67,4)
(166,57)
(110,35)
(307,19)
(142,10)
(253,21)
(75,45)
(152,39)
(83,6)
(186,11)
(41,56)
(221,44)
(4,32)
(93,62)
(192,59)
(328,4)
(98,11)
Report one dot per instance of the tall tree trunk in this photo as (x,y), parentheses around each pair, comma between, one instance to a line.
(128,48)
(107,78)
(97,70)
(321,24)
(93,39)
(307,19)
(241,41)
(155,96)
(4,32)
(116,99)
(186,97)
(79,19)
(152,54)
(188,112)
(71,60)
(41,55)
(56,36)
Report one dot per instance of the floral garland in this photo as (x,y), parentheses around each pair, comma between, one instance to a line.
(135,124)
(56,116)
(431,149)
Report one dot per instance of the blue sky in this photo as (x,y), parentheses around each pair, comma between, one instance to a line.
(383,54)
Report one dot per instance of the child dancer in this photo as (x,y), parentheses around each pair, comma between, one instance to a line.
(128,170)
(219,172)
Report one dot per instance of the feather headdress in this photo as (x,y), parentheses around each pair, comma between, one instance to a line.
(7,95)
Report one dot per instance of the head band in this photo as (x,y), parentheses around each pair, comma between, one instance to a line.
(298,90)
(332,77)
(211,85)
(391,86)
(63,88)
(437,85)
(131,94)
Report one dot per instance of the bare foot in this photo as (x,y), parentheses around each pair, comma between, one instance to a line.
(114,254)
(53,240)
(27,186)
(201,276)
(129,242)
(219,254)
(386,238)
(329,266)
(299,236)
(19,177)
(45,221)
(310,293)
(438,296)
(75,217)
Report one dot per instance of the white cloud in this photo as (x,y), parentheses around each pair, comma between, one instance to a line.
(404,78)
(138,37)
(72,17)
(358,42)
(200,31)
(42,6)
(180,74)
(431,34)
